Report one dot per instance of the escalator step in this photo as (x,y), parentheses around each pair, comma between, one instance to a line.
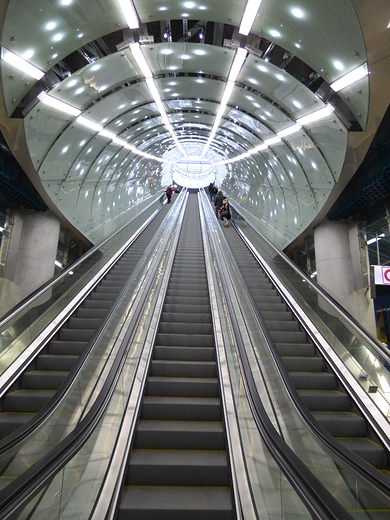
(178,468)
(67,347)
(368,450)
(27,400)
(176,503)
(53,362)
(183,369)
(167,327)
(185,340)
(184,353)
(342,424)
(182,386)
(165,408)
(303,364)
(185,317)
(322,400)
(180,435)
(43,380)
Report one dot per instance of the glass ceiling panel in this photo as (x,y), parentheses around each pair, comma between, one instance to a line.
(304,30)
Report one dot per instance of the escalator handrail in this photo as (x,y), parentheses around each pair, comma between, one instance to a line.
(316,497)
(351,320)
(27,429)
(11,313)
(13,497)
(371,476)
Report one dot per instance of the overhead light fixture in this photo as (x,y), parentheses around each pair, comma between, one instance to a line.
(129,13)
(273,140)
(237,64)
(140,59)
(350,78)
(249,16)
(106,133)
(57,104)
(290,130)
(227,93)
(89,124)
(21,64)
(316,116)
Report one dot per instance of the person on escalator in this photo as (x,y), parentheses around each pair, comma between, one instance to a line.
(225,211)
(169,193)
(218,202)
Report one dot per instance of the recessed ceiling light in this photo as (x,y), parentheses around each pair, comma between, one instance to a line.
(338,65)
(298,45)
(297,104)
(275,34)
(298,13)
(199,52)
(185,57)
(185,15)
(50,26)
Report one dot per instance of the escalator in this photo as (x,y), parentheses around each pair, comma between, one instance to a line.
(44,376)
(315,382)
(178,466)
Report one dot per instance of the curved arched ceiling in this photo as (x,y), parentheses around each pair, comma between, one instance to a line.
(149,106)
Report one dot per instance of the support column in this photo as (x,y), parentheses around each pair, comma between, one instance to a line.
(31,256)
(339,269)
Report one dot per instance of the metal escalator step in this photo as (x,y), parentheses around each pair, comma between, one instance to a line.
(182,386)
(76,334)
(167,327)
(278,315)
(185,317)
(84,323)
(29,401)
(185,340)
(186,308)
(296,349)
(97,304)
(102,297)
(184,353)
(91,313)
(303,364)
(176,503)
(164,408)
(315,381)
(325,400)
(342,424)
(271,307)
(72,348)
(55,362)
(288,337)
(189,294)
(43,379)
(282,325)
(165,368)
(180,435)
(178,468)
(368,450)
(10,422)
(183,300)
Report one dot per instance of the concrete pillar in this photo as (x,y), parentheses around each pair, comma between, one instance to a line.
(31,256)
(339,269)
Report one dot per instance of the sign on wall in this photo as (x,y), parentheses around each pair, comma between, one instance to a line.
(382,274)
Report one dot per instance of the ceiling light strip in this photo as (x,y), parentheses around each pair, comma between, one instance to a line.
(350,78)
(249,16)
(58,105)
(146,71)
(235,69)
(91,125)
(129,13)
(21,64)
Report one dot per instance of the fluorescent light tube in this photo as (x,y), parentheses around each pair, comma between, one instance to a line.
(273,140)
(59,105)
(106,133)
(89,124)
(21,64)
(350,78)
(140,59)
(249,16)
(153,89)
(227,93)
(316,116)
(237,64)
(261,147)
(129,13)
(290,130)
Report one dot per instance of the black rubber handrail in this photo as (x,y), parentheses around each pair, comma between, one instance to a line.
(316,497)
(38,292)
(26,430)
(376,345)
(370,475)
(35,478)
